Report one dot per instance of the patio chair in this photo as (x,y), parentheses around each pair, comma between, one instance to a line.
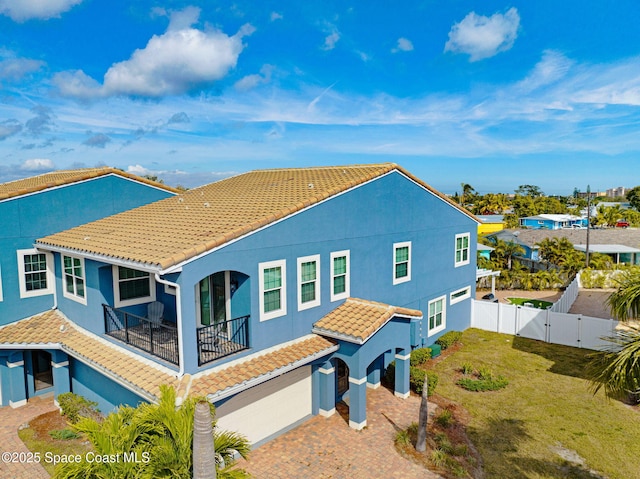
(155,312)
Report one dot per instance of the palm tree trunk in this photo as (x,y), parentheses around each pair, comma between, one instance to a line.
(421,442)
(204,456)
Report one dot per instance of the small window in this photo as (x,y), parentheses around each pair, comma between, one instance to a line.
(73,279)
(273,289)
(437,315)
(132,286)
(35,273)
(340,278)
(460,295)
(462,249)
(401,262)
(308,282)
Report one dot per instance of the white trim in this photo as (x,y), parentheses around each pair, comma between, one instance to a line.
(325,413)
(467,295)
(1,284)
(315,302)
(437,329)
(373,385)
(59,365)
(168,289)
(17,404)
(326,371)
(402,357)
(65,293)
(357,382)
(403,279)
(347,277)
(118,303)
(357,426)
(17,364)
(282,264)
(462,262)
(402,395)
(50,276)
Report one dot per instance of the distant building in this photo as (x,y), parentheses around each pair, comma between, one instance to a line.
(490,223)
(616,192)
(552,222)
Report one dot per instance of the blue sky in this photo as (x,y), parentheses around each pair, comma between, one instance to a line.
(494,94)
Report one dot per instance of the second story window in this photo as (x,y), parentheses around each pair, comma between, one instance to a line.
(462,249)
(73,271)
(273,289)
(35,273)
(340,277)
(132,286)
(308,282)
(401,262)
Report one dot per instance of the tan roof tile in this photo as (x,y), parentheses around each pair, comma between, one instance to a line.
(65,177)
(360,319)
(170,231)
(53,328)
(257,366)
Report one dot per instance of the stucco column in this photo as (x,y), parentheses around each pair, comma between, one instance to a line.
(402,373)
(327,380)
(61,378)
(357,402)
(374,373)
(18,389)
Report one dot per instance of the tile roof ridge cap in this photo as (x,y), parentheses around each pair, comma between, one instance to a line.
(327,167)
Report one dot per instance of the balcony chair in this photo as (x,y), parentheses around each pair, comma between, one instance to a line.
(155,312)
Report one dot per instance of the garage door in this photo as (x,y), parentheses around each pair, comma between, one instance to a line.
(268,408)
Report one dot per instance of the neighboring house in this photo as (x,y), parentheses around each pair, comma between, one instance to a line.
(275,294)
(39,206)
(490,224)
(553,222)
(484,251)
(620,254)
(514,236)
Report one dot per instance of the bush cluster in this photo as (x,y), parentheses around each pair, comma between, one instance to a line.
(481,385)
(416,380)
(420,356)
(449,339)
(75,407)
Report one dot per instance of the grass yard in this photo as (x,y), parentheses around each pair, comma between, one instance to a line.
(545,423)
(537,303)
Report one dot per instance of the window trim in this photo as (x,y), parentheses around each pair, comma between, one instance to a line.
(65,293)
(468,248)
(282,264)
(347,277)
(118,303)
(453,300)
(406,278)
(316,302)
(443,326)
(50,276)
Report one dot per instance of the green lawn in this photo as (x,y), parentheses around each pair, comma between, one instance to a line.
(546,407)
(537,303)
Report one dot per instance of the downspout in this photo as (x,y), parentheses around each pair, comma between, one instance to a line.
(178,320)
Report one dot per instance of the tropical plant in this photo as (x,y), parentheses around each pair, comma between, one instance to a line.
(504,251)
(158,436)
(633,195)
(625,301)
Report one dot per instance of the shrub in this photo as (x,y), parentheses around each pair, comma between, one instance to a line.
(466,369)
(439,458)
(64,434)
(444,419)
(420,356)
(449,339)
(416,380)
(390,374)
(484,373)
(479,385)
(75,407)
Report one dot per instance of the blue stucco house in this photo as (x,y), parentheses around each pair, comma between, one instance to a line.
(282,290)
(41,205)
(553,222)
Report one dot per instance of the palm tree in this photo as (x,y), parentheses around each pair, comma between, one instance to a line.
(421,441)
(204,461)
(504,251)
(617,370)
(468,193)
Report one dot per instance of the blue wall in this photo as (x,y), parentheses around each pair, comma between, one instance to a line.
(27,218)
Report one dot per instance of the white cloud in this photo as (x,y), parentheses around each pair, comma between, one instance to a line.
(551,68)
(14,69)
(276,16)
(170,64)
(483,37)
(404,45)
(37,164)
(21,10)
(251,81)
(332,38)
(139,170)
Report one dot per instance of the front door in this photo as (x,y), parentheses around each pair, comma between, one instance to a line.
(342,378)
(42,372)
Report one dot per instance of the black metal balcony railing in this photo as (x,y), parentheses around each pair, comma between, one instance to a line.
(221,339)
(158,339)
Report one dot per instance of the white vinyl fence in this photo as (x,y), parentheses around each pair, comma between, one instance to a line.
(552,326)
(563,305)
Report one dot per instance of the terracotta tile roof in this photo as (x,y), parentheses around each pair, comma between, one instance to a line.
(259,365)
(65,177)
(52,328)
(358,319)
(173,230)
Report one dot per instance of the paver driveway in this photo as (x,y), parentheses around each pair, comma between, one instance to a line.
(323,448)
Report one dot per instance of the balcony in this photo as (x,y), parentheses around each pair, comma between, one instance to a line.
(158,339)
(222,339)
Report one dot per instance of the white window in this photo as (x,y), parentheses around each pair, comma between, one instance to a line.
(273,289)
(437,315)
(35,271)
(340,277)
(401,262)
(462,249)
(73,285)
(460,295)
(308,282)
(132,286)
